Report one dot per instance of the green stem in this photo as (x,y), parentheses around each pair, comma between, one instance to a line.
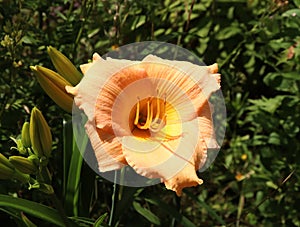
(58,205)
(176,201)
(113,200)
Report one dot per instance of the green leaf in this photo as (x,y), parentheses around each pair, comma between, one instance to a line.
(181,219)
(274,138)
(146,213)
(292,13)
(283,81)
(228,32)
(269,105)
(32,208)
(297,3)
(27,222)
(209,210)
(100,220)
(74,173)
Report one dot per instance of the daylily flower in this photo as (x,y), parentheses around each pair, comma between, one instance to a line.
(153,115)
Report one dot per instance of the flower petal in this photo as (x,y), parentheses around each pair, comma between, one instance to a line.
(207,126)
(91,84)
(185,178)
(198,82)
(107,148)
(174,161)
(111,90)
(85,67)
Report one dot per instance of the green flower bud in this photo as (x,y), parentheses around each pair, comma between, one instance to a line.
(8,171)
(64,66)
(46,188)
(40,134)
(4,161)
(25,138)
(54,85)
(20,147)
(24,165)
(35,159)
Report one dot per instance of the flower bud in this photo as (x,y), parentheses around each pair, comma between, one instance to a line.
(20,147)
(8,171)
(24,165)
(54,85)
(40,134)
(34,159)
(64,66)
(25,138)
(46,188)
(4,161)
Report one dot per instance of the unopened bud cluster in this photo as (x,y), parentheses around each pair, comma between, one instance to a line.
(34,146)
(54,83)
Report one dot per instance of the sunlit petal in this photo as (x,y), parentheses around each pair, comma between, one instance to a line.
(108,150)
(168,159)
(109,93)
(195,80)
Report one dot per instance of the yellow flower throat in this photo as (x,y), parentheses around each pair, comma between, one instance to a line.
(150,114)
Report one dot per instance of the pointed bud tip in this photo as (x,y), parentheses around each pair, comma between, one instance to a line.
(33,68)
(50,49)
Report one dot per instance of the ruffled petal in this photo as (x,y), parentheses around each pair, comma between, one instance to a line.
(175,160)
(105,106)
(93,81)
(85,67)
(106,145)
(185,178)
(207,126)
(107,148)
(197,82)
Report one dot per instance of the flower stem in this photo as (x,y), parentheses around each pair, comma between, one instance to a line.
(113,200)
(176,201)
(58,205)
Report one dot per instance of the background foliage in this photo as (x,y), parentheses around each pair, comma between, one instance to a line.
(254,180)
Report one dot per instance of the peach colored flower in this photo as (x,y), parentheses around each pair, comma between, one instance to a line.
(153,115)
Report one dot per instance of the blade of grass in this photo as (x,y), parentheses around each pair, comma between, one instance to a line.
(32,208)
(209,210)
(114,199)
(87,192)
(128,195)
(74,173)
(15,214)
(150,216)
(67,151)
(182,220)
(100,220)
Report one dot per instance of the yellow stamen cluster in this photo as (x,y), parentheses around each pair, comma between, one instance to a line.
(150,114)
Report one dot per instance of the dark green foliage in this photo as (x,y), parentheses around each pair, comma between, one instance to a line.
(254,180)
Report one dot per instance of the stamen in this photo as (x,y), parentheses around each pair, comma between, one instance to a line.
(149,117)
(157,110)
(137,113)
(158,124)
(144,119)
